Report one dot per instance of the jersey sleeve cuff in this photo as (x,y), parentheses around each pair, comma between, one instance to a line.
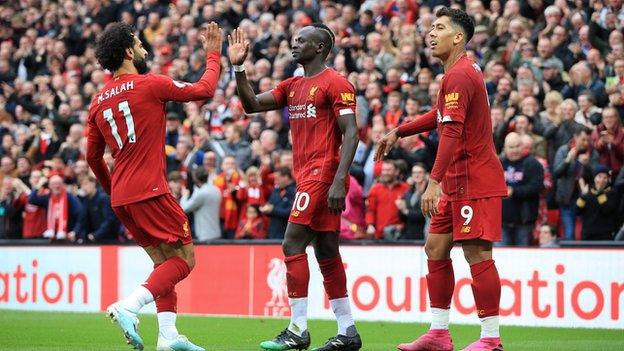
(213,55)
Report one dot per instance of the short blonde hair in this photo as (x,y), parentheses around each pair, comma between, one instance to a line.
(553,96)
(252,171)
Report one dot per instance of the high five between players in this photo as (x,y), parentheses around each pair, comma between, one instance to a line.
(463,197)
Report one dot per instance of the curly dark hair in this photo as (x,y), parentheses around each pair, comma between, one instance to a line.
(111,45)
(459,18)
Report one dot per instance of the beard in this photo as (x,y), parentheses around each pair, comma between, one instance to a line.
(140,64)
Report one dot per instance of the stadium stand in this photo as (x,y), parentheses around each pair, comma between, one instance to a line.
(554,72)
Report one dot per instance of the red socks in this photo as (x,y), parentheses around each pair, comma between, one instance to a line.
(334,277)
(163,279)
(297,275)
(440,283)
(486,288)
(167,302)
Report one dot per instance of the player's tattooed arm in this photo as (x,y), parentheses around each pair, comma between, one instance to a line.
(237,51)
(337,191)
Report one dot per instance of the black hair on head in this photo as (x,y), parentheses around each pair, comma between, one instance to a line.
(285,171)
(460,18)
(111,45)
(327,36)
(582,130)
(200,174)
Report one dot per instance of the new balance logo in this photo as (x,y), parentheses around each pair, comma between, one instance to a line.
(290,342)
(337,342)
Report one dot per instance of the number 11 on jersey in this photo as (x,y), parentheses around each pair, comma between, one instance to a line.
(125,109)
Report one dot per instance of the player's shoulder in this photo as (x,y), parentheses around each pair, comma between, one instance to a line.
(468,67)
(288,82)
(333,76)
(96,101)
(332,73)
(291,80)
(150,77)
(335,80)
(464,73)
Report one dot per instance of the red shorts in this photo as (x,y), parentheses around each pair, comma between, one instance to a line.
(310,208)
(469,219)
(156,220)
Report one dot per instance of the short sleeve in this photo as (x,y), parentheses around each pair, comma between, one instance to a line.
(457,92)
(342,95)
(280,92)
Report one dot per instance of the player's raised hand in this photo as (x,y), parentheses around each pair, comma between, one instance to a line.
(238,47)
(385,144)
(212,38)
(430,198)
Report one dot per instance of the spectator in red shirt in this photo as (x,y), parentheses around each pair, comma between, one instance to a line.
(393,111)
(253,226)
(63,208)
(382,215)
(57,167)
(35,217)
(608,139)
(227,182)
(407,10)
(45,143)
(252,191)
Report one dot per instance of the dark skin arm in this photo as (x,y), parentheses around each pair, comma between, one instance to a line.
(337,192)
(237,52)
(253,103)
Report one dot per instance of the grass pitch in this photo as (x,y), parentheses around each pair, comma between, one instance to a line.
(20,330)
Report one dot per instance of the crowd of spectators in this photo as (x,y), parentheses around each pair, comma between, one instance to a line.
(554,72)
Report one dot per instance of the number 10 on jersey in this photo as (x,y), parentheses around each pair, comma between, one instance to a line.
(125,109)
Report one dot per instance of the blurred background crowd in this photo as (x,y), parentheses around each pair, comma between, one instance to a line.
(554,71)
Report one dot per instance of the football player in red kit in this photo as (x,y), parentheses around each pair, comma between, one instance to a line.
(321,109)
(128,117)
(466,186)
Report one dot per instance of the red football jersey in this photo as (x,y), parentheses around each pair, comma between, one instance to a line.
(128,116)
(475,171)
(314,105)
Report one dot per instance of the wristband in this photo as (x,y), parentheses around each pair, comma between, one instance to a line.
(239,68)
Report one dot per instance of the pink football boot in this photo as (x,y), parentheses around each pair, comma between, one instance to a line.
(485,344)
(433,340)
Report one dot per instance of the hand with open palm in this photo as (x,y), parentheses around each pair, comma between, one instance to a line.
(238,47)
(212,38)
